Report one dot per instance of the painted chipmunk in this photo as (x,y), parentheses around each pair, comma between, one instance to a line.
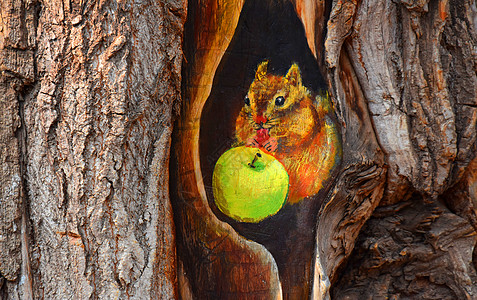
(281,117)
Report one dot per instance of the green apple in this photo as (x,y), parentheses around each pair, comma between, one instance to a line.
(249,185)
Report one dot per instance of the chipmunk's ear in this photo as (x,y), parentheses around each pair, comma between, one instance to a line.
(294,76)
(261,70)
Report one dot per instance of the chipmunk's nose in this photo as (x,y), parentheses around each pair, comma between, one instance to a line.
(260,119)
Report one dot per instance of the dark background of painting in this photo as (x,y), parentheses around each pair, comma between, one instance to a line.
(266,30)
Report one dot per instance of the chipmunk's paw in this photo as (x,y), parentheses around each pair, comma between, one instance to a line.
(252,142)
(271,144)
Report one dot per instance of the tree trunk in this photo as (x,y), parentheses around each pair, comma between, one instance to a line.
(88,95)
(90,90)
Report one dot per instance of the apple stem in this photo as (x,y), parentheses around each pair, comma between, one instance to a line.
(254,160)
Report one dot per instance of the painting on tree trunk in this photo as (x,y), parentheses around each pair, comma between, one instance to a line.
(270,184)
(301,121)
(268,148)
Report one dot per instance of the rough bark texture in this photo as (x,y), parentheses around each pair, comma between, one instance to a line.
(416,64)
(414,251)
(95,84)
(17,44)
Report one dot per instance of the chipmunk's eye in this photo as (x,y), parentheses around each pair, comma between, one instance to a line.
(246,100)
(279,101)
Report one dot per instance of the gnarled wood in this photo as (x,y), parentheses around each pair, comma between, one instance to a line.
(412,65)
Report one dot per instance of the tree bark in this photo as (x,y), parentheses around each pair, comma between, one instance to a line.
(415,63)
(90,90)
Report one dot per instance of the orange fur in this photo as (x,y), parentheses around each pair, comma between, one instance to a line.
(300,133)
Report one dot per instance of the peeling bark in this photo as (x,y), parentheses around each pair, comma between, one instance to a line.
(415,64)
(412,251)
